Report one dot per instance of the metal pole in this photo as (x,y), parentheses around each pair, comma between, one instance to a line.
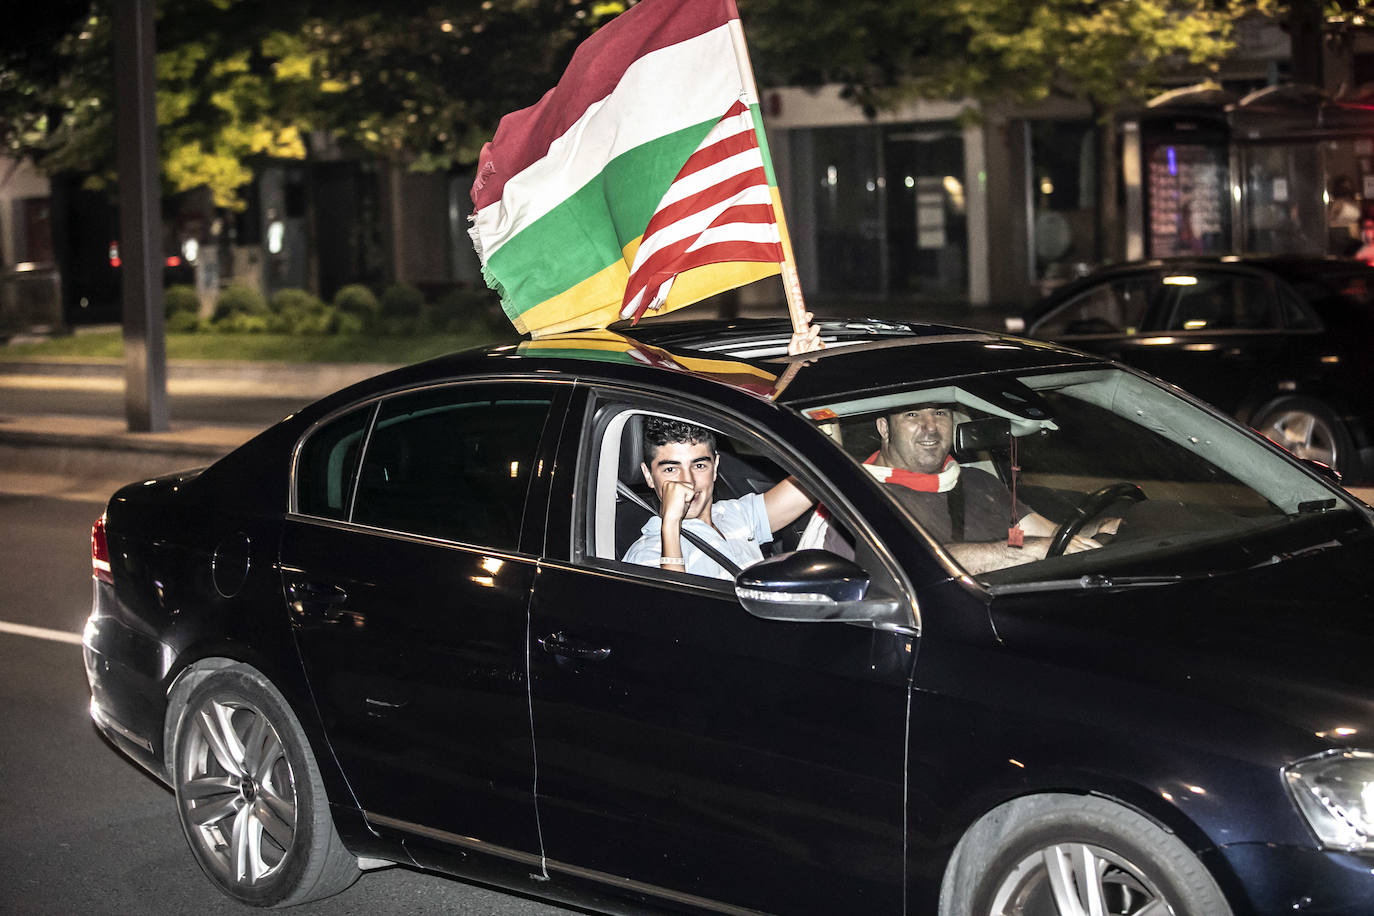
(140,216)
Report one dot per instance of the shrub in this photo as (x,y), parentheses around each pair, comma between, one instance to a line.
(401,300)
(239,300)
(295,311)
(296,300)
(180,299)
(244,323)
(463,311)
(357,300)
(182,322)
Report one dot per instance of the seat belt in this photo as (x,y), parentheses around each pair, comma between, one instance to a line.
(697,541)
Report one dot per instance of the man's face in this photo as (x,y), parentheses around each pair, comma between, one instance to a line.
(918,439)
(690,463)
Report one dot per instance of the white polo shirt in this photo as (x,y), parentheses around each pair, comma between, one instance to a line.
(743,523)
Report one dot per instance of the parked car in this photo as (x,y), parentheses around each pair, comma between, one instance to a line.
(1284,344)
(395,628)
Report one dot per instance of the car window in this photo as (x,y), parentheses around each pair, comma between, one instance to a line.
(1113,307)
(1296,315)
(1154,477)
(328,463)
(1212,301)
(451,463)
(747,468)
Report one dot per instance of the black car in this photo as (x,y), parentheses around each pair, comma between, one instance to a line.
(396,628)
(1284,344)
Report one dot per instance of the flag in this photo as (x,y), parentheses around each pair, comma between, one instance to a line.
(645,126)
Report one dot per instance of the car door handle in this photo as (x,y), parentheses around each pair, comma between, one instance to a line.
(558,644)
(315,597)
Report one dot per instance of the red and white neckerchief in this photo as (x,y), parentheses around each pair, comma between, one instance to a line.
(940,482)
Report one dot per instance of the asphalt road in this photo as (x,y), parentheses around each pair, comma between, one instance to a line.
(82,830)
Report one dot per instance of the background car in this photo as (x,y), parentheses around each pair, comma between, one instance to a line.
(396,628)
(1284,344)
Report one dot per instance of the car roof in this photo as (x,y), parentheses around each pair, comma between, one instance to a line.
(747,355)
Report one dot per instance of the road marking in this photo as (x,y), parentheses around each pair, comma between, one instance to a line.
(19,629)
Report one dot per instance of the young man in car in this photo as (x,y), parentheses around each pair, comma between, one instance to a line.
(967,510)
(680,463)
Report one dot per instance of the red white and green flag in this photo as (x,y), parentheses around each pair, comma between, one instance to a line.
(642,181)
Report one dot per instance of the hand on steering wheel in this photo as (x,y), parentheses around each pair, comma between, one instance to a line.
(1089,507)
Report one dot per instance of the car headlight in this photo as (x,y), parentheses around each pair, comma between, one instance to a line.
(1335,793)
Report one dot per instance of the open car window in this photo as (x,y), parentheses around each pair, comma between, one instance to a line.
(1191,490)
(620,503)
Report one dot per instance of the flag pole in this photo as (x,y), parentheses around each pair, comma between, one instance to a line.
(791,282)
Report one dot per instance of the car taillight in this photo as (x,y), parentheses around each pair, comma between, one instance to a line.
(100,552)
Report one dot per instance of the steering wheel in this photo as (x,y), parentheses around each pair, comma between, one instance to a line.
(1091,506)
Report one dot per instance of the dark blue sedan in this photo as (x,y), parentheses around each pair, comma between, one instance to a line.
(397,628)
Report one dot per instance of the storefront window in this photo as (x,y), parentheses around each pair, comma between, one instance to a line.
(890,209)
(1064,179)
(1285,212)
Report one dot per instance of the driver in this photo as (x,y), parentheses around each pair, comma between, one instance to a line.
(966,509)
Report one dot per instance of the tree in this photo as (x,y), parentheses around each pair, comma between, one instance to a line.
(241,81)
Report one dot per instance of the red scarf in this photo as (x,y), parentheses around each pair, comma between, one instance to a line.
(940,482)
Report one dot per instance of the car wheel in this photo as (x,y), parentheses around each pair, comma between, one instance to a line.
(250,797)
(1308,429)
(1056,855)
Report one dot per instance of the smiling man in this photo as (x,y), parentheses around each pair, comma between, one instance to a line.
(967,510)
(680,463)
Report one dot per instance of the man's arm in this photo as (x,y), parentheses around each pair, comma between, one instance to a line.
(676,496)
(985,556)
(785,502)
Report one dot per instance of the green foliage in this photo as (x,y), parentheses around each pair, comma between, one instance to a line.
(239,300)
(358,301)
(478,311)
(401,300)
(180,298)
(295,311)
(182,322)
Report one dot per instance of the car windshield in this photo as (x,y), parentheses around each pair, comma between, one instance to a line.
(1149,485)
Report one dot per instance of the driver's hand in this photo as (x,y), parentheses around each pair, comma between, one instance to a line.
(677,496)
(1080,543)
(1106,526)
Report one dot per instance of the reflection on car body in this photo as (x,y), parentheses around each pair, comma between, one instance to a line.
(397,627)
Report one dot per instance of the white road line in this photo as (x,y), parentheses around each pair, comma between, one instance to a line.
(19,629)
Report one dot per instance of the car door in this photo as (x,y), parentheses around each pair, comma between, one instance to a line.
(1218,333)
(690,750)
(409,590)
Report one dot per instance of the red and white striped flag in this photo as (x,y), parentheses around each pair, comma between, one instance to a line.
(718,209)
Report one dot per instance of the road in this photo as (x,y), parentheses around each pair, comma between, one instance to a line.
(82,830)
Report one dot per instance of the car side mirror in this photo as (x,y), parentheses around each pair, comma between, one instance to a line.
(814,585)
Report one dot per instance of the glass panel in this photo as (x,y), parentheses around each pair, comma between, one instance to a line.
(449,465)
(1208,301)
(1117,307)
(1161,486)
(848,210)
(1190,211)
(927,209)
(1284,209)
(327,466)
(1064,177)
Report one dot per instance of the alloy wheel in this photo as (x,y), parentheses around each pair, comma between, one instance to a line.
(237,791)
(1303,433)
(1077,879)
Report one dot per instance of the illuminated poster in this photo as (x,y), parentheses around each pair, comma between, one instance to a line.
(1188,210)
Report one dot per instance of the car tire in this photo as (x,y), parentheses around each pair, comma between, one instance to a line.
(1309,429)
(250,798)
(1029,857)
